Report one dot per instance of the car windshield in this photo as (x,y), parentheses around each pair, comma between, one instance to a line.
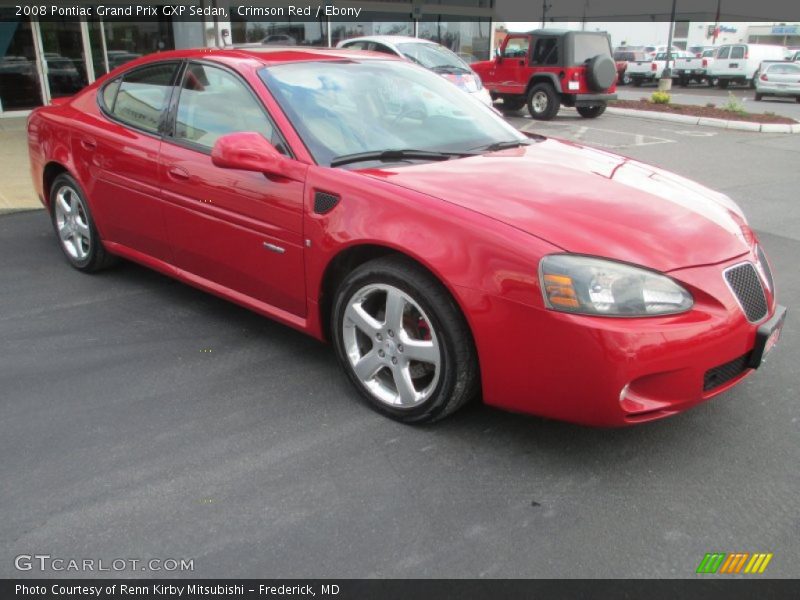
(432,56)
(340,108)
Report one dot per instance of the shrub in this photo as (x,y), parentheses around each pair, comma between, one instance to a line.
(660,98)
(734,105)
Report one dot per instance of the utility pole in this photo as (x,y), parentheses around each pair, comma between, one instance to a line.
(583,23)
(665,83)
(716,23)
(545,6)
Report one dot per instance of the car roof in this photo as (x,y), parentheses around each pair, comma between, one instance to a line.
(554,32)
(388,39)
(259,55)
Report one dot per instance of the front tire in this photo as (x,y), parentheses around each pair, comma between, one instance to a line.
(512,104)
(72,220)
(591,112)
(403,342)
(543,102)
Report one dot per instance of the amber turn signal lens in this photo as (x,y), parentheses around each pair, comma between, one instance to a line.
(560,291)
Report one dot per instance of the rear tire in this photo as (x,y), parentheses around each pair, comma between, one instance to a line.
(74,226)
(723,84)
(591,112)
(389,310)
(636,82)
(758,97)
(543,102)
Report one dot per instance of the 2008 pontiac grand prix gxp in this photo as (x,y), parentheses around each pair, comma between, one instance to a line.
(365,200)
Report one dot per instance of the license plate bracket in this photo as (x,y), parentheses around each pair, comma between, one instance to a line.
(767,337)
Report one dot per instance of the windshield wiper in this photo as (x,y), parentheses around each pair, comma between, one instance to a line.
(449,69)
(503,145)
(389,155)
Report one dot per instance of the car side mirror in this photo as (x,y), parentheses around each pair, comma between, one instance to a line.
(248,151)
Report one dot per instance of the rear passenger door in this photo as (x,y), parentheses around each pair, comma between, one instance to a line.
(123,152)
(233,229)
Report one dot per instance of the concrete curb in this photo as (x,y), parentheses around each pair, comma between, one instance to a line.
(705,121)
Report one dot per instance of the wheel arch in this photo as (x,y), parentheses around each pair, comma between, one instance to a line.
(52,170)
(356,254)
(544,78)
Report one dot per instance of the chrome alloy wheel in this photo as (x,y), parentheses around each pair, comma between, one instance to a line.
(539,102)
(72,223)
(391,345)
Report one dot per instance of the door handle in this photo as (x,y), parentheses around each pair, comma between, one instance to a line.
(88,144)
(178,173)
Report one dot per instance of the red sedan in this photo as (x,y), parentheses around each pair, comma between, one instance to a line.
(443,253)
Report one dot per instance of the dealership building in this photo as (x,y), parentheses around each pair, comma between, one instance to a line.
(45,58)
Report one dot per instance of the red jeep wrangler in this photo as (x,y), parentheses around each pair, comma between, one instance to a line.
(546,68)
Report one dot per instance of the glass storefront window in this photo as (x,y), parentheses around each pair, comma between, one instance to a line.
(279,33)
(62,42)
(468,39)
(372,23)
(128,40)
(19,78)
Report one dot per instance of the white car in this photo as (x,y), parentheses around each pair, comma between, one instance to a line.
(428,54)
(778,79)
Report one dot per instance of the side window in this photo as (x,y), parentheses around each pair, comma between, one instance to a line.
(375,47)
(724,52)
(213,102)
(355,46)
(545,51)
(737,52)
(143,96)
(516,47)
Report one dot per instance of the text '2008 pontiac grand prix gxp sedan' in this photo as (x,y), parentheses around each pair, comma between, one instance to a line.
(445,255)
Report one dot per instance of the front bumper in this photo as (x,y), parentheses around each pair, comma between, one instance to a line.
(484,96)
(616,371)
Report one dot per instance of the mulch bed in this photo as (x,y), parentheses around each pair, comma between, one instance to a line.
(701,111)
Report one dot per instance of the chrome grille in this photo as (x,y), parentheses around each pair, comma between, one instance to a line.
(746,285)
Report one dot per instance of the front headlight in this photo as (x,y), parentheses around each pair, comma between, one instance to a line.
(594,286)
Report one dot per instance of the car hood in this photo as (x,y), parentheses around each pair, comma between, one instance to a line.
(588,201)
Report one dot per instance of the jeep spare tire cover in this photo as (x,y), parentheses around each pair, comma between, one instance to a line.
(601,72)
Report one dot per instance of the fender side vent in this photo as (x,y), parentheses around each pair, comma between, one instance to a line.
(325,202)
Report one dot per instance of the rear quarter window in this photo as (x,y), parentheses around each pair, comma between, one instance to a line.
(143,95)
(109,94)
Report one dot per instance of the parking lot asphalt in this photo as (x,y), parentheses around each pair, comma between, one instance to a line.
(141,418)
(702,95)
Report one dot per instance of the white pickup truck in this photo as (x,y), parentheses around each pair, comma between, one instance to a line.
(641,71)
(694,68)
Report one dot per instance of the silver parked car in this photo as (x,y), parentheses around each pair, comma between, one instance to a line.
(428,54)
(778,79)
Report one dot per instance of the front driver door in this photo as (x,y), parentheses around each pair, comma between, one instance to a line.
(511,67)
(235,229)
